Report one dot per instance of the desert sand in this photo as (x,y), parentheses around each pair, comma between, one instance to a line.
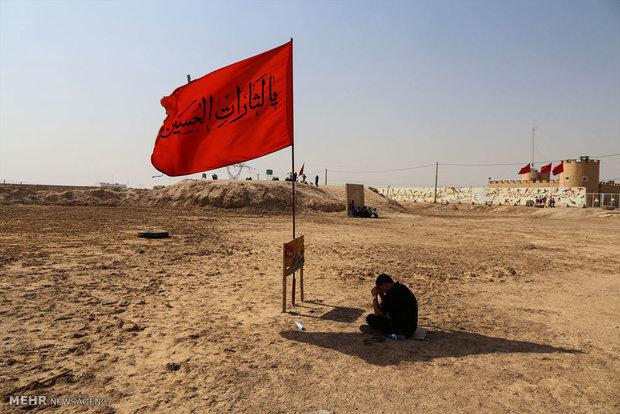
(522,304)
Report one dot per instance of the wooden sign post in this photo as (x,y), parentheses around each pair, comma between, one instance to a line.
(293,260)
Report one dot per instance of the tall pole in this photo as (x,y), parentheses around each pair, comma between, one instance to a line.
(436,170)
(293,180)
(325,176)
(293,152)
(293,165)
(533,132)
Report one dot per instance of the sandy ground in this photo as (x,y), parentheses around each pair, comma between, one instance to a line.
(522,307)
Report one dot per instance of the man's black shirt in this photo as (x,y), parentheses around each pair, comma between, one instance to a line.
(401,305)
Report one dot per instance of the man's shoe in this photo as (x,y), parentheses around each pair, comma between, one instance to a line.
(368,330)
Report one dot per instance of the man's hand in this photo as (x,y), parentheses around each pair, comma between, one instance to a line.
(375,303)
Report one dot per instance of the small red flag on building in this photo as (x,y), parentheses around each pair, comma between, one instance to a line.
(546,168)
(558,169)
(301,172)
(525,169)
(235,114)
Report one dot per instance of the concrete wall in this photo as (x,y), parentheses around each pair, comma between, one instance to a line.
(531,176)
(571,197)
(609,188)
(523,184)
(355,192)
(583,173)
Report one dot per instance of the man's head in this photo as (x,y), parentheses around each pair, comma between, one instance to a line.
(384,283)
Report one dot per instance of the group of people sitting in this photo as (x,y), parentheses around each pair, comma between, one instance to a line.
(365,212)
(543,200)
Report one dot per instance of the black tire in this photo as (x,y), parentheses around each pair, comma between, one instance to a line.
(153,234)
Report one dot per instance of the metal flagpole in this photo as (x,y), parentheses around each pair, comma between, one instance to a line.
(293,166)
(293,180)
(293,150)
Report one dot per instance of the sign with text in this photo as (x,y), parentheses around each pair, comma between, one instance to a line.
(293,255)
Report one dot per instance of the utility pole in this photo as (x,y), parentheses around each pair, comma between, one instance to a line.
(436,170)
(325,176)
(533,133)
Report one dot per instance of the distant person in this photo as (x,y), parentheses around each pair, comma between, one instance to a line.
(316,180)
(396,312)
(374,213)
(303,178)
(214,176)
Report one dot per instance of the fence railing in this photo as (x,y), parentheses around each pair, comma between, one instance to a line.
(602,199)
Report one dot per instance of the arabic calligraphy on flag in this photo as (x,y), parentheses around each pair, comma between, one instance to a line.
(235,114)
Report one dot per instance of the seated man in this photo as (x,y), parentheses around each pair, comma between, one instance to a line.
(398,311)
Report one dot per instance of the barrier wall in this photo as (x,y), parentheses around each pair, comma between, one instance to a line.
(571,197)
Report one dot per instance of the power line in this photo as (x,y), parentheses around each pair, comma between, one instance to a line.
(380,171)
(487,165)
(604,156)
(520,163)
(462,165)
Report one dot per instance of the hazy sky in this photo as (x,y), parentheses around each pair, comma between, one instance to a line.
(379,85)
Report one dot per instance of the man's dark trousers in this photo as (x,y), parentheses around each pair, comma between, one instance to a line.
(385,325)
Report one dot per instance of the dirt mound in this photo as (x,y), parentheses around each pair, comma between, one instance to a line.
(78,196)
(270,196)
(275,196)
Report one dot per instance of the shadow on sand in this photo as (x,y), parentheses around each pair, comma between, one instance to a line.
(378,350)
(336,314)
(343,314)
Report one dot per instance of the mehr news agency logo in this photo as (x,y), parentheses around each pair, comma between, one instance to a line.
(42,400)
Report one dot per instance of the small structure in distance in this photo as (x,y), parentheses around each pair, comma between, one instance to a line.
(111,185)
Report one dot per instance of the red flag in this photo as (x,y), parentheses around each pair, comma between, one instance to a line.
(525,169)
(301,172)
(558,169)
(237,113)
(546,168)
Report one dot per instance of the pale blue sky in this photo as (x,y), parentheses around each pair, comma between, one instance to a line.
(378,85)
